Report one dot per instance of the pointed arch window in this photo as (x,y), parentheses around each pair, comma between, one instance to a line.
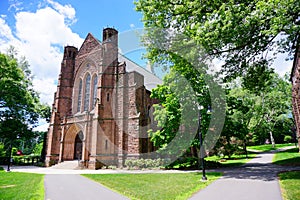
(87,92)
(95,85)
(79,96)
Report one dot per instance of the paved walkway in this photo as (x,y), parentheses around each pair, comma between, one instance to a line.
(74,186)
(256,180)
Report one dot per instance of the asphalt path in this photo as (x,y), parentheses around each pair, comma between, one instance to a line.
(76,187)
(256,180)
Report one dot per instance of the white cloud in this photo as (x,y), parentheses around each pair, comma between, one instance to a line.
(132,26)
(15,4)
(67,10)
(40,37)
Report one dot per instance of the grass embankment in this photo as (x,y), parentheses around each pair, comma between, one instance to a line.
(289,157)
(289,181)
(154,186)
(16,185)
(290,184)
(268,147)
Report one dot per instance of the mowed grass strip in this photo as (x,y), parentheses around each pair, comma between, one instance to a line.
(290,184)
(233,161)
(155,186)
(268,147)
(289,157)
(16,185)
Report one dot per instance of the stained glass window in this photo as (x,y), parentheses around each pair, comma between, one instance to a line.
(87,92)
(79,96)
(95,85)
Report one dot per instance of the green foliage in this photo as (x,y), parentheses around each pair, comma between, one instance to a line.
(38,149)
(155,186)
(20,108)
(144,163)
(288,138)
(192,163)
(241,33)
(178,108)
(2,150)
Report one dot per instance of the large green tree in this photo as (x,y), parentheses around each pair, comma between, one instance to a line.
(20,108)
(242,33)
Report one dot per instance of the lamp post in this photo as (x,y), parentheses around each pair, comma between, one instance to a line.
(201,149)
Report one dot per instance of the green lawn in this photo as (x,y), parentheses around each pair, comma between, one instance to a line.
(155,186)
(235,160)
(289,157)
(290,184)
(268,147)
(15,185)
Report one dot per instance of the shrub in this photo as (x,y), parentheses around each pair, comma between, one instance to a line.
(192,163)
(288,139)
(144,163)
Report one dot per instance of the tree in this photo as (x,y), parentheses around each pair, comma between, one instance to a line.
(242,33)
(274,105)
(20,108)
(177,112)
(246,35)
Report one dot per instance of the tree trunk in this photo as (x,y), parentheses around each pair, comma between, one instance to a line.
(245,147)
(272,139)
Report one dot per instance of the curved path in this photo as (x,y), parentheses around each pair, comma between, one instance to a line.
(256,180)
(76,187)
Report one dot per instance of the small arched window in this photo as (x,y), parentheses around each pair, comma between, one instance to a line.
(95,85)
(87,92)
(79,96)
(107,97)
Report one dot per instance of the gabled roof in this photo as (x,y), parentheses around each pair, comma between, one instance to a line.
(150,80)
(89,44)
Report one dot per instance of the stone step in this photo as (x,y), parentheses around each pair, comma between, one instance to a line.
(73,164)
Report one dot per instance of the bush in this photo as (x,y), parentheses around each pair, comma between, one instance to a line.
(2,151)
(144,163)
(287,139)
(192,163)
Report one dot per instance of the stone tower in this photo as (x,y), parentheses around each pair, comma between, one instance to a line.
(62,106)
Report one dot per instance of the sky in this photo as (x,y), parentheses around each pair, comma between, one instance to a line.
(39,29)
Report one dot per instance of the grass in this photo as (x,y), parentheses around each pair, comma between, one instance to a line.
(290,184)
(289,157)
(155,186)
(235,160)
(268,147)
(16,185)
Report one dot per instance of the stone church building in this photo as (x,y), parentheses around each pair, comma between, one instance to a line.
(295,79)
(102,106)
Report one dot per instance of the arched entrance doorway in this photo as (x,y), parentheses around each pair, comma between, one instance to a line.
(78,146)
(72,144)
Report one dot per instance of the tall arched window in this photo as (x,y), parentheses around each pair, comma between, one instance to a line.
(79,96)
(95,85)
(87,92)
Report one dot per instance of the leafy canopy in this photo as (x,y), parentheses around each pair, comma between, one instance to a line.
(241,32)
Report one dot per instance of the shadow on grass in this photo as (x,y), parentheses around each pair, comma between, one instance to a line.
(289,175)
(289,162)
(289,157)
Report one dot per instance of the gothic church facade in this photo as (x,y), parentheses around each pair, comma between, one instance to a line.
(102,106)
